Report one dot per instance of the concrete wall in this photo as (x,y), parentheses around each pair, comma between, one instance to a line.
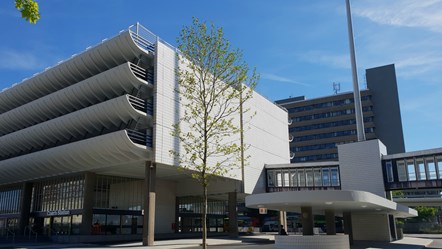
(266,132)
(382,84)
(360,166)
(370,227)
(165,206)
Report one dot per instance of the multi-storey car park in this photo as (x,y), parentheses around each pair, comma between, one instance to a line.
(85,148)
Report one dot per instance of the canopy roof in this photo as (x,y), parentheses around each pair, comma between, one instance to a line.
(321,200)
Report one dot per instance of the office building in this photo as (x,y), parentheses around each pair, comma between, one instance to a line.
(319,125)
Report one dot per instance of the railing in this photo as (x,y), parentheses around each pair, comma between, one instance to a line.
(10,233)
(140,137)
(138,103)
(138,71)
(283,189)
(149,108)
(149,76)
(143,37)
(30,232)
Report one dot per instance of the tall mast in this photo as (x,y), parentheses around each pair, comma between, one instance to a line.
(357,94)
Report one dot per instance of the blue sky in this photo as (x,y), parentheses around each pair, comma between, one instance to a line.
(298,47)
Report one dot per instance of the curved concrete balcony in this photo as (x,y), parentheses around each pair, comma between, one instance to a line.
(99,88)
(91,154)
(104,56)
(107,115)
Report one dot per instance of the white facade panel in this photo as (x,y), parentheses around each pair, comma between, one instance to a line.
(166,103)
(268,137)
(266,132)
(360,166)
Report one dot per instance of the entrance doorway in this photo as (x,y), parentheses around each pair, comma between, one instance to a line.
(57,225)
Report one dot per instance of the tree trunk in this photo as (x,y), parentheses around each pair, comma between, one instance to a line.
(204,217)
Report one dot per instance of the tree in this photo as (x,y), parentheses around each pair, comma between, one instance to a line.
(425,214)
(28,9)
(213,84)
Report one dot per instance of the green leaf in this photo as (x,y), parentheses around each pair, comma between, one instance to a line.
(29,10)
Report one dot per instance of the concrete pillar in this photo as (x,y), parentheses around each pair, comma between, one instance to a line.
(149,204)
(330,222)
(393,230)
(88,203)
(307,220)
(25,206)
(177,215)
(233,215)
(282,220)
(348,226)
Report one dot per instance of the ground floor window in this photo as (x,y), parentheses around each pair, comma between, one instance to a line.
(112,224)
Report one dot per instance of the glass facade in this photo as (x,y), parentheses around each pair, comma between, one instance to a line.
(331,134)
(190,210)
(320,157)
(327,104)
(10,200)
(405,173)
(301,178)
(61,193)
(330,114)
(328,124)
(118,193)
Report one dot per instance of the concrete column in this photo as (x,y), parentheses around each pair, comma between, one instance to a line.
(177,215)
(393,230)
(348,226)
(233,215)
(149,204)
(330,222)
(25,206)
(307,220)
(88,203)
(282,220)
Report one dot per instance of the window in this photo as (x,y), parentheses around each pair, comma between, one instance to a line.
(389,170)
(325,177)
(334,177)
(301,178)
(432,174)
(279,179)
(309,177)
(286,179)
(270,182)
(294,177)
(439,165)
(317,175)
(402,174)
(411,171)
(421,167)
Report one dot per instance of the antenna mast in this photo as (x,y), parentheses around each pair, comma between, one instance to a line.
(357,94)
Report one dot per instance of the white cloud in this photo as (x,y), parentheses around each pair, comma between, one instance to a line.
(405,13)
(277,78)
(326,58)
(11,59)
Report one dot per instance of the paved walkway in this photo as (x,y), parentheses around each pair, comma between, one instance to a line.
(406,243)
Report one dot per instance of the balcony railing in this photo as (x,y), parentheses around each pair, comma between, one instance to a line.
(143,37)
(137,103)
(140,137)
